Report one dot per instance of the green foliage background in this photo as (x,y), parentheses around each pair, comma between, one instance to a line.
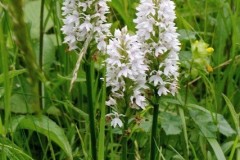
(40,119)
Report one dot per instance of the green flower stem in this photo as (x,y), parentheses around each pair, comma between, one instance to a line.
(154,131)
(90,92)
(125,138)
(125,124)
(102,120)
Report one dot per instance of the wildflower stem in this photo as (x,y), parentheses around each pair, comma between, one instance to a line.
(125,137)
(125,126)
(154,131)
(90,92)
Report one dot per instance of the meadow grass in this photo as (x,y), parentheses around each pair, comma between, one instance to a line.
(41,119)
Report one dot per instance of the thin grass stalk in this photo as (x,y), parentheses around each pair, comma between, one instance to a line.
(234,148)
(80,56)
(82,143)
(136,151)
(182,115)
(3,154)
(232,52)
(193,151)
(238,154)
(1,127)
(54,10)
(90,93)
(125,138)
(51,150)
(2,49)
(7,88)
(102,120)
(125,126)
(41,34)
(154,132)
(7,109)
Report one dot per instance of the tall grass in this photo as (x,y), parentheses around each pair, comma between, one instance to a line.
(40,119)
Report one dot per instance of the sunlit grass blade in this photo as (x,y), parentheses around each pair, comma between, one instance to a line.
(12,151)
(234,115)
(101,136)
(216,148)
(5,67)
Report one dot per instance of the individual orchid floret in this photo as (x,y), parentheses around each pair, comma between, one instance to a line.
(81,18)
(157,33)
(115,119)
(126,66)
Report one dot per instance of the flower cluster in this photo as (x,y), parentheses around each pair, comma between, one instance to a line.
(149,56)
(126,64)
(80,21)
(157,33)
(201,53)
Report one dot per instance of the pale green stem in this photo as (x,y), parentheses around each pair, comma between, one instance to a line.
(154,132)
(91,104)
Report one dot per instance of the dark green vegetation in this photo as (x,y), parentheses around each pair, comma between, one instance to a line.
(40,119)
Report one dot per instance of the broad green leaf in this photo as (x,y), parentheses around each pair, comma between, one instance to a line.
(146,124)
(170,123)
(186,34)
(18,104)
(14,123)
(224,126)
(216,148)
(12,151)
(53,110)
(226,147)
(141,138)
(12,74)
(185,56)
(32,14)
(47,127)
(221,123)
(22,99)
(204,122)
(48,51)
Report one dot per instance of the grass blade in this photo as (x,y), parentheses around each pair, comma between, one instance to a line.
(216,148)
